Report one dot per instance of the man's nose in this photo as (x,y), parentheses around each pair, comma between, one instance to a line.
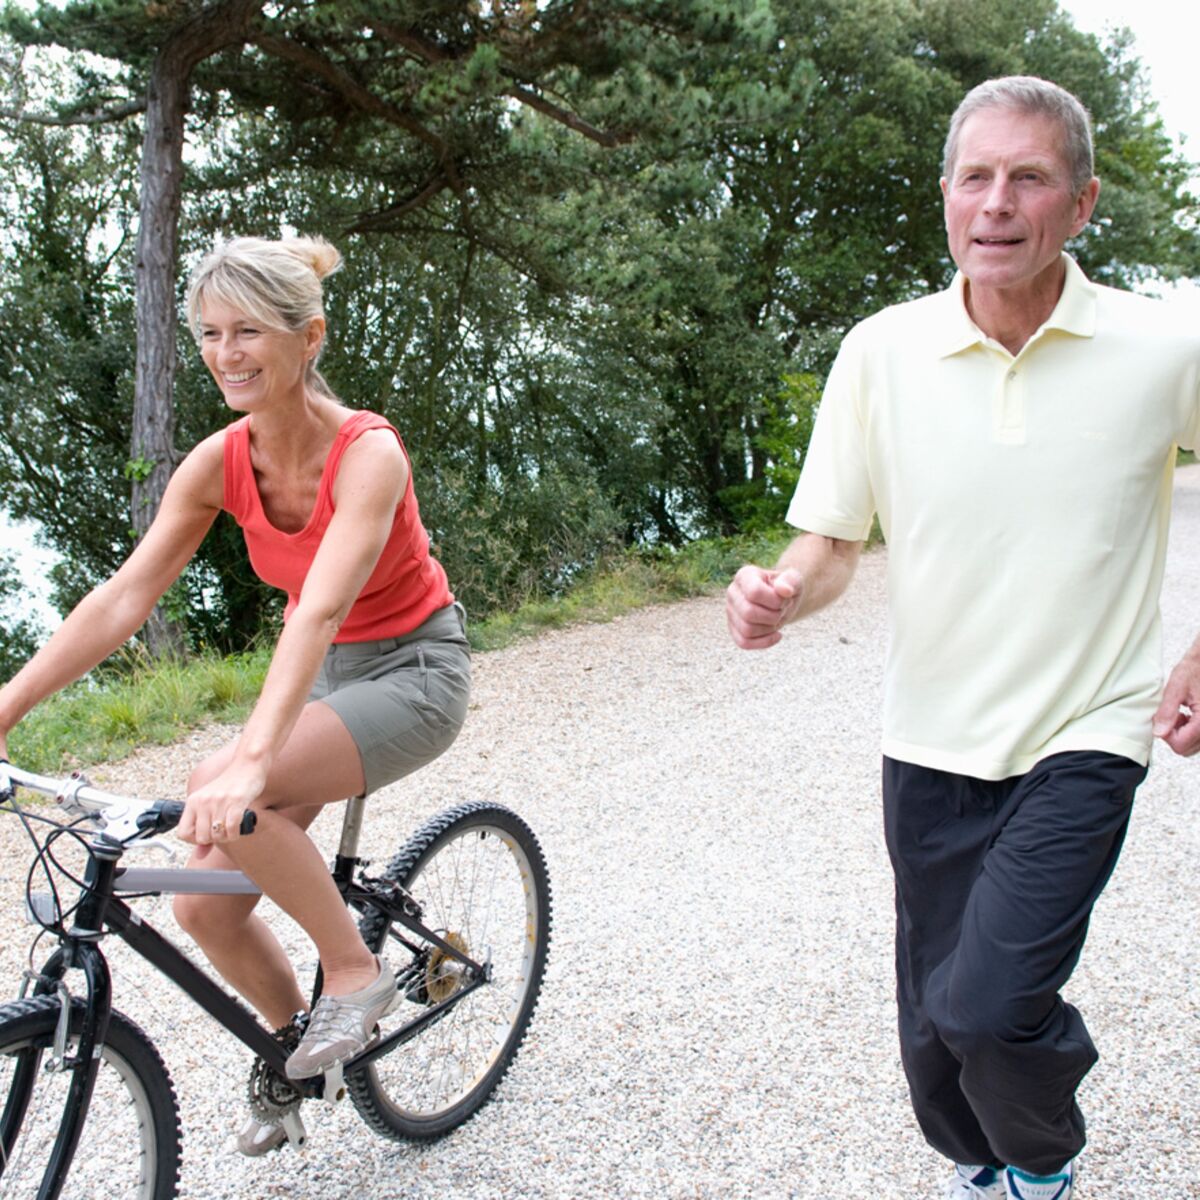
(1000,197)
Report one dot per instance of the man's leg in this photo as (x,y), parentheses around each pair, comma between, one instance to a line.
(994,1000)
(938,828)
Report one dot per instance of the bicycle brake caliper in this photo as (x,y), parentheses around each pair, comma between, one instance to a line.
(62,1031)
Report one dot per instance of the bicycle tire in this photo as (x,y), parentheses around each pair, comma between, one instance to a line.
(480,878)
(128,1148)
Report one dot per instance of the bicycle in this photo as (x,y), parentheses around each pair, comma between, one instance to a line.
(461,913)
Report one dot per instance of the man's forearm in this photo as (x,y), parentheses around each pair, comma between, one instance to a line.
(825,565)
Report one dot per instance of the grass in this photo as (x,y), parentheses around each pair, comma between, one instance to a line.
(136,703)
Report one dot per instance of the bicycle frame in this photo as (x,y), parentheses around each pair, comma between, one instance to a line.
(102,911)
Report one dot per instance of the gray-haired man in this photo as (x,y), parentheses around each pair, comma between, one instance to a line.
(1016,435)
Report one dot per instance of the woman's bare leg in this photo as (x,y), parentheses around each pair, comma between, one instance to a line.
(319,764)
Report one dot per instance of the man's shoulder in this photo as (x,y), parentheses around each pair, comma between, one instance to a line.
(1161,318)
(899,324)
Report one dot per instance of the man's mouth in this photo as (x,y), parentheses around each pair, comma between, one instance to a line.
(997,241)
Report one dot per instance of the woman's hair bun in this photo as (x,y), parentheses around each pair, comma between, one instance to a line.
(324,257)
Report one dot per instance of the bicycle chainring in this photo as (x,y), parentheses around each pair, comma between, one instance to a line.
(271,1096)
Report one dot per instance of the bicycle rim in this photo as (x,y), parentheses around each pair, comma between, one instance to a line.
(480,879)
(128,1146)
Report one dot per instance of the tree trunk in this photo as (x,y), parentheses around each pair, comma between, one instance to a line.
(152,446)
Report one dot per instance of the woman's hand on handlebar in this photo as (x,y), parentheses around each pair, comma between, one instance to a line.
(213,813)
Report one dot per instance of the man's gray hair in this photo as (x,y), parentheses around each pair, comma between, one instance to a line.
(1030,95)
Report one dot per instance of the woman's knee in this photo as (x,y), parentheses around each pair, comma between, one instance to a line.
(213,918)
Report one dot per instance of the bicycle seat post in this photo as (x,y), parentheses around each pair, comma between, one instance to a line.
(352,827)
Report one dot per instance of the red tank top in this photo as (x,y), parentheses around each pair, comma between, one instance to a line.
(408,584)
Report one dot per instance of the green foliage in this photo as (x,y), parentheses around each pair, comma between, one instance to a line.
(762,503)
(141,703)
(20,634)
(578,314)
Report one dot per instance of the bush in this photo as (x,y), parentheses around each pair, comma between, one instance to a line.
(532,538)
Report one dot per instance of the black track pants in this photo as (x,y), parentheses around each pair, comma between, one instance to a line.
(995,883)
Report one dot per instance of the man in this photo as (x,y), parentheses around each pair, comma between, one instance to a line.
(1016,435)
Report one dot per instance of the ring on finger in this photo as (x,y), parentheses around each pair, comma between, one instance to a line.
(218,827)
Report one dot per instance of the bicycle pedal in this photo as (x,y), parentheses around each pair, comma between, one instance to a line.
(335,1084)
(294,1128)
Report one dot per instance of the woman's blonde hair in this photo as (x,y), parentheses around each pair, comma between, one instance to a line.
(277,284)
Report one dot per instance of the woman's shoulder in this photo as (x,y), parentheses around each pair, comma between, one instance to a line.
(201,473)
(356,421)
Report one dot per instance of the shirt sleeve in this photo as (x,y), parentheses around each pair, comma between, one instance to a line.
(1191,434)
(834,497)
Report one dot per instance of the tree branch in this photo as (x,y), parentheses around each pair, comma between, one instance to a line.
(348,88)
(101,117)
(569,119)
(383,218)
(422,48)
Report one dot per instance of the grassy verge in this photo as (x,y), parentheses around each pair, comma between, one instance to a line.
(106,717)
(142,704)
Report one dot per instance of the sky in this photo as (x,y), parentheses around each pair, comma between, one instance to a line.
(1167,33)
(1167,38)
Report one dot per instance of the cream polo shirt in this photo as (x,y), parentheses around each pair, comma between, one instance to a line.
(1025,503)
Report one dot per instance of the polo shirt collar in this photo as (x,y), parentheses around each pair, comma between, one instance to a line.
(1075,313)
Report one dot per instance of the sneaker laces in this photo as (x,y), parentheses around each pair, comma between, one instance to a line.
(334,1017)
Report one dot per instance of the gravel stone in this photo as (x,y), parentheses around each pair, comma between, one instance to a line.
(717,1018)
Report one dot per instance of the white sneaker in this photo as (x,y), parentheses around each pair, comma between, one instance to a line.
(1022,1186)
(259,1137)
(976,1183)
(340,1026)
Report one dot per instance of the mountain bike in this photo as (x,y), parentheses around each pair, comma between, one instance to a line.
(461,914)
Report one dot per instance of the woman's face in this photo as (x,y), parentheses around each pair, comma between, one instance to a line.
(255,366)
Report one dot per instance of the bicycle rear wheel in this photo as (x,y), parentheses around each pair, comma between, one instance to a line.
(478,874)
(128,1148)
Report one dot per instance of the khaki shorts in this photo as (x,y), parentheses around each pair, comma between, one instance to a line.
(403,699)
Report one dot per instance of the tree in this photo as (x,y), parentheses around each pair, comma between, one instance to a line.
(431,76)
(20,635)
(585,243)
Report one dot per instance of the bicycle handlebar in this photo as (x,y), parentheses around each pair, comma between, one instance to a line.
(161,815)
(78,797)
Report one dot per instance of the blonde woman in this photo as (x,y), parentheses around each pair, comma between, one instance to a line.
(370,676)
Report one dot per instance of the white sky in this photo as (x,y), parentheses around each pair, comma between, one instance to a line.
(1167,33)
(1167,40)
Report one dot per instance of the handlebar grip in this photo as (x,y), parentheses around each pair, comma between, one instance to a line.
(166,814)
(161,816)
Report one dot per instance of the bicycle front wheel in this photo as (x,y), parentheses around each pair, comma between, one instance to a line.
(128,1148)
(479,876)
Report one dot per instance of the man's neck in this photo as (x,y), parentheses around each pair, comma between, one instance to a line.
(1011,316)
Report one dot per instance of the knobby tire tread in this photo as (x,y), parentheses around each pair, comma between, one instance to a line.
(374,924)
(35,1018)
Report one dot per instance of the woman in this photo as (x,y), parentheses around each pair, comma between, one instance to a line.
(370,676)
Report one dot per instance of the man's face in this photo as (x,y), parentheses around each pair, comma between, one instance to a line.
(1009,203)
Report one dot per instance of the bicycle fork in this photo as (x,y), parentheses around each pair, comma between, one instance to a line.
(88,1021)
(78,951)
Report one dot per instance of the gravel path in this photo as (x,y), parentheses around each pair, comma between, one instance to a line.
(717,1019)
